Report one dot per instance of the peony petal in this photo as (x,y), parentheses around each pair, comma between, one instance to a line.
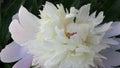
(18,33)
(93,15)
(12,53)
(72,13)
(84,10)
(113,57)
(15,17)
(103,28)
(99,18)
(51,7)
(50,10)
(26,62)
(115,30)
(28,21)
(111,41)
(83,14)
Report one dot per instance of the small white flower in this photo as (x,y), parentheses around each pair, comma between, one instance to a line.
(61,39)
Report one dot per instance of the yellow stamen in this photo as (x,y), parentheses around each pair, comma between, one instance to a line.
(69,34)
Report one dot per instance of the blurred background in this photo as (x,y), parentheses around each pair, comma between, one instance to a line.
(8,8)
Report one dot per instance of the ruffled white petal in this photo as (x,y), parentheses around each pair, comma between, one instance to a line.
(83,13)
(26,62)
(57,14)
(12,53)
(54,61)
(103,28)
(93,15)
(27,20)
(19,34)
(72,14)
(115,30)
(50,10)
(99,18)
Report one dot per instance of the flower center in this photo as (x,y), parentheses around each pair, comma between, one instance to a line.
(68,34)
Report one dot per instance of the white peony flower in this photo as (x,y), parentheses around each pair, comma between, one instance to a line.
(60,39)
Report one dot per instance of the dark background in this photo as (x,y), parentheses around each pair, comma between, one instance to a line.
(8,8)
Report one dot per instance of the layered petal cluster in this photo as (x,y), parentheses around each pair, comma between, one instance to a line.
(62,39)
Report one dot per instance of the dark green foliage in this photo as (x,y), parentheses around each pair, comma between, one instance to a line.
(8,8)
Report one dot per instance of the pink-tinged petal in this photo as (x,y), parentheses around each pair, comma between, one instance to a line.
(115,30)
(26,62)
(28,21)
(12,53)
(111,41)
(18,33)
(15,16)
(113,57)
